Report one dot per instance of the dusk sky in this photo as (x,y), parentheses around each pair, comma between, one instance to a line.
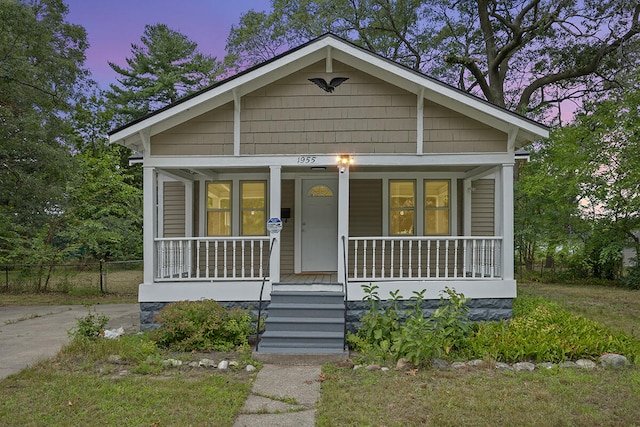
(113,25)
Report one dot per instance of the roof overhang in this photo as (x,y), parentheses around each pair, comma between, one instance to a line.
(136,134)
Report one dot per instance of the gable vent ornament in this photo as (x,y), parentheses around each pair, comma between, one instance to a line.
(329,87)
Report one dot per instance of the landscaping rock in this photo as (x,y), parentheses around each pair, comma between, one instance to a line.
(545,365)
(440,364)
(476,363)
(373,368)
(172,362)
(207,363)
(524,366)
(613,361)
(568,364)
(403,364)
(234,363)
(586,364)
(250,368)
(458,365)
(223,365)
(501,366)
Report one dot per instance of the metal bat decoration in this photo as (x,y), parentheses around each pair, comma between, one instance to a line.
(329,87)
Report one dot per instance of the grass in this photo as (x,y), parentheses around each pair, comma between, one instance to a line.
(482,397)
(479,397)
(83,289)
(80,386)
(614,307)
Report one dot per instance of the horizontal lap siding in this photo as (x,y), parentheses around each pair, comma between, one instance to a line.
(365,207)
(287,233)
(209,134)
(294,116)
(174,213)
(482,208)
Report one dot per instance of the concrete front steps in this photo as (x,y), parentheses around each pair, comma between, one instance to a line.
(304,319)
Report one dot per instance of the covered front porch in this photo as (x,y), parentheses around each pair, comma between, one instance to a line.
(475,260)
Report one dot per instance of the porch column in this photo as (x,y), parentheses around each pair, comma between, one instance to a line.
(507,221)
(343,219)
(150,221)
(275,204)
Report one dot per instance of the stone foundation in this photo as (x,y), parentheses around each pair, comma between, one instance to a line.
(487,309)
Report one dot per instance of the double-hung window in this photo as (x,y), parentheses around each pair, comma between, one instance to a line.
(219,208)
(253,208)
(402,202)
(436,207)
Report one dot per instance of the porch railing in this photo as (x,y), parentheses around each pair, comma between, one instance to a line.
(212,258)
(424,258)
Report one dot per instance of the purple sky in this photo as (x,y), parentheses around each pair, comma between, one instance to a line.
(113,25)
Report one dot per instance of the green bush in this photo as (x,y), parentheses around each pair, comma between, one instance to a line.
(90,326)
(202,325)
(418,339)
(543,332)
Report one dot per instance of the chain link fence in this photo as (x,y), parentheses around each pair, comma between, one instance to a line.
(118,277)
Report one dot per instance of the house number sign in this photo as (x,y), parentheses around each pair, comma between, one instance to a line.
(274,225)
(306,160)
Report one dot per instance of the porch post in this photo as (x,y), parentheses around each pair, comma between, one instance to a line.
(507,221)
(343,218)
(150,221)
(275,203)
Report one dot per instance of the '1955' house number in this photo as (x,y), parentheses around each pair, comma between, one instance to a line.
(306,159)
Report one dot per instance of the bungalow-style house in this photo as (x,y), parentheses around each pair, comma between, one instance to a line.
(324,169)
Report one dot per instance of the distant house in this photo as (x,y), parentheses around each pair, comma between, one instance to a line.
(386,177)
(629,255)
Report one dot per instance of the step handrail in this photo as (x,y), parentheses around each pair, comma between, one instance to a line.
(264,279)
(345,287)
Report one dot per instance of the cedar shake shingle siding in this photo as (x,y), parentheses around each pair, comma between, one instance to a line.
(294,116)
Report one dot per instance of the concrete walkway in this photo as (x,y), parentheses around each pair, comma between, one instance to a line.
(30,334)
(282,395)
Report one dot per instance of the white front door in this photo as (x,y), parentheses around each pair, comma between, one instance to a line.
(319,225)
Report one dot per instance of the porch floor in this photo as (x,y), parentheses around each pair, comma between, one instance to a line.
(317,277)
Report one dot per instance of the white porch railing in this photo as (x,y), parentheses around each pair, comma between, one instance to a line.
(211,258)
(424,258)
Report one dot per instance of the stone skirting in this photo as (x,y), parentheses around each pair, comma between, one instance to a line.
(486,309)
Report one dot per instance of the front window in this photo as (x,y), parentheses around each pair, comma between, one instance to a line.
(219,208)
(436,207)
(402,196)
(253,195)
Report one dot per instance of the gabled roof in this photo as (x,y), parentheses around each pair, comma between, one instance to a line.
(332,47)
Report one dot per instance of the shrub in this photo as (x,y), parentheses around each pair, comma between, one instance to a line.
(543,332)
(419,338)
(90,326)
(202,325)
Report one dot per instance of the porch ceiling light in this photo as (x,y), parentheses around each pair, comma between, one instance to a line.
(344,161)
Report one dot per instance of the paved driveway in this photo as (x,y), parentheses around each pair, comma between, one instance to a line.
(33,333)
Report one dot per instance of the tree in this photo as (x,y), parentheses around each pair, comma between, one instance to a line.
(41,66)
(163,68)
(526,55)
(591,169)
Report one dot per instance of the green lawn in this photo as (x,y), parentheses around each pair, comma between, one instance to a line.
(488,397)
